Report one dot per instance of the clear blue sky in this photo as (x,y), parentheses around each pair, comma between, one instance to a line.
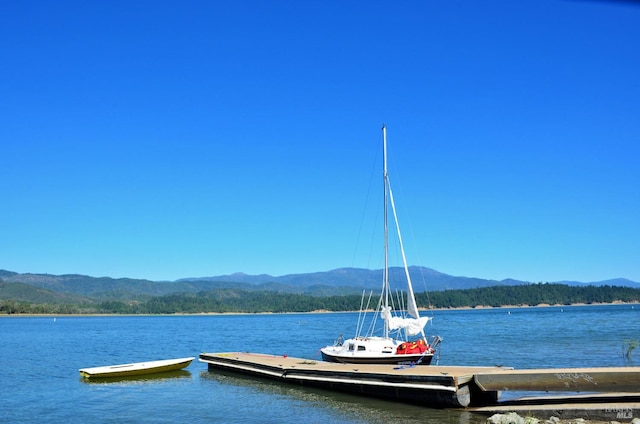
(164,139)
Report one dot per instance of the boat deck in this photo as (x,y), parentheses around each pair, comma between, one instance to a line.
(433,385)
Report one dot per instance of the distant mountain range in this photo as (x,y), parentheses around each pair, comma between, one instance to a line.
(73,288)
(358,278)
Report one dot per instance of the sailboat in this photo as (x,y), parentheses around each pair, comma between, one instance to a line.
(385,349)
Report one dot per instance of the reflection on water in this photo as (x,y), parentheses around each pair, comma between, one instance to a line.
(139,379)
(344,406)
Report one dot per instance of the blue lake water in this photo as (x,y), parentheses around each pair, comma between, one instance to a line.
(40,358)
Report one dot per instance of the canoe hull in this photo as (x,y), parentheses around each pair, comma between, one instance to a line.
(138,368)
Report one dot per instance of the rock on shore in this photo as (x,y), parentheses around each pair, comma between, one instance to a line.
(513,418)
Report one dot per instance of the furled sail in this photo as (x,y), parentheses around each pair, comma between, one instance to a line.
(413,326)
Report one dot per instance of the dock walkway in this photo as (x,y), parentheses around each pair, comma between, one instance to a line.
(425,385)
(432,385)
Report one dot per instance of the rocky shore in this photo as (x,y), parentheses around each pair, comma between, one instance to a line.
(514,418)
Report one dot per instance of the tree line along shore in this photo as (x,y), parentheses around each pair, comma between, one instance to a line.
(239,301)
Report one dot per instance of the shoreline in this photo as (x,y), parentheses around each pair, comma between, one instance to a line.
(458,308)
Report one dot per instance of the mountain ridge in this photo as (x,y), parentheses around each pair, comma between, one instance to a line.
(69,288)
(81,291)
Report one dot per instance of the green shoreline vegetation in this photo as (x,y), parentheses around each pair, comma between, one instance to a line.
(240,301)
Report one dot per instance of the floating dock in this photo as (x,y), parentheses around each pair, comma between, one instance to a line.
(432,386)
(424,385)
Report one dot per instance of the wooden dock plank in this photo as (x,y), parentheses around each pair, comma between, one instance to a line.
(618,379)
(275,363)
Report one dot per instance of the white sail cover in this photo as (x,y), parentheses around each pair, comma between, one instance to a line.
(413,326)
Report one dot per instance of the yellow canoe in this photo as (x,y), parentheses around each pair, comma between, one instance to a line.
(138,368)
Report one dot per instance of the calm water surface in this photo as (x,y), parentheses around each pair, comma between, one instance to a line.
(40,358)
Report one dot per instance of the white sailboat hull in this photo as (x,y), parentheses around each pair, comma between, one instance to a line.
(329,356)
(374,350)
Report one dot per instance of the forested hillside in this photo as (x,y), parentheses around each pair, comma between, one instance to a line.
(528,295)
(234,300)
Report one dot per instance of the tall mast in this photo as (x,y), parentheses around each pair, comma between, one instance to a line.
(385,283)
